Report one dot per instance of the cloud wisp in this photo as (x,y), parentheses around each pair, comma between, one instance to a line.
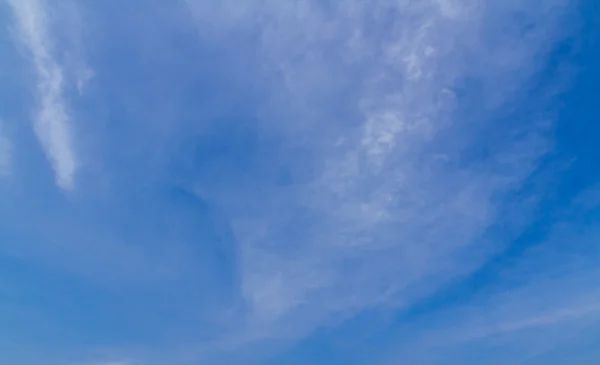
(52,121)
(409,170)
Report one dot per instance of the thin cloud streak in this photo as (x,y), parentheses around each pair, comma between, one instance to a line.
(52,119)
(563,315)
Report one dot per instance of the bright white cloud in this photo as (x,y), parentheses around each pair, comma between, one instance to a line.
(52,119)
(400,197)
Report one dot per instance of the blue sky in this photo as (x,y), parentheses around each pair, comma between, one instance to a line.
(299,182)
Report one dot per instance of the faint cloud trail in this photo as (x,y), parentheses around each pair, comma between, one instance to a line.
(52,119)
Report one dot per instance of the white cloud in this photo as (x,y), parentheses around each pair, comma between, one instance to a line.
(52,119)
(398,202)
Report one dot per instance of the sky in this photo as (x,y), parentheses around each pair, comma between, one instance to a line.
(261,182)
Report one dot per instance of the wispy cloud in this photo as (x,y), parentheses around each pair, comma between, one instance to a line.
(407,183)
(52,118)
(549,319)
(546,296)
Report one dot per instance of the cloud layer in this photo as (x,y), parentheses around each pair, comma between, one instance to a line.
(270,174)
(395,105)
